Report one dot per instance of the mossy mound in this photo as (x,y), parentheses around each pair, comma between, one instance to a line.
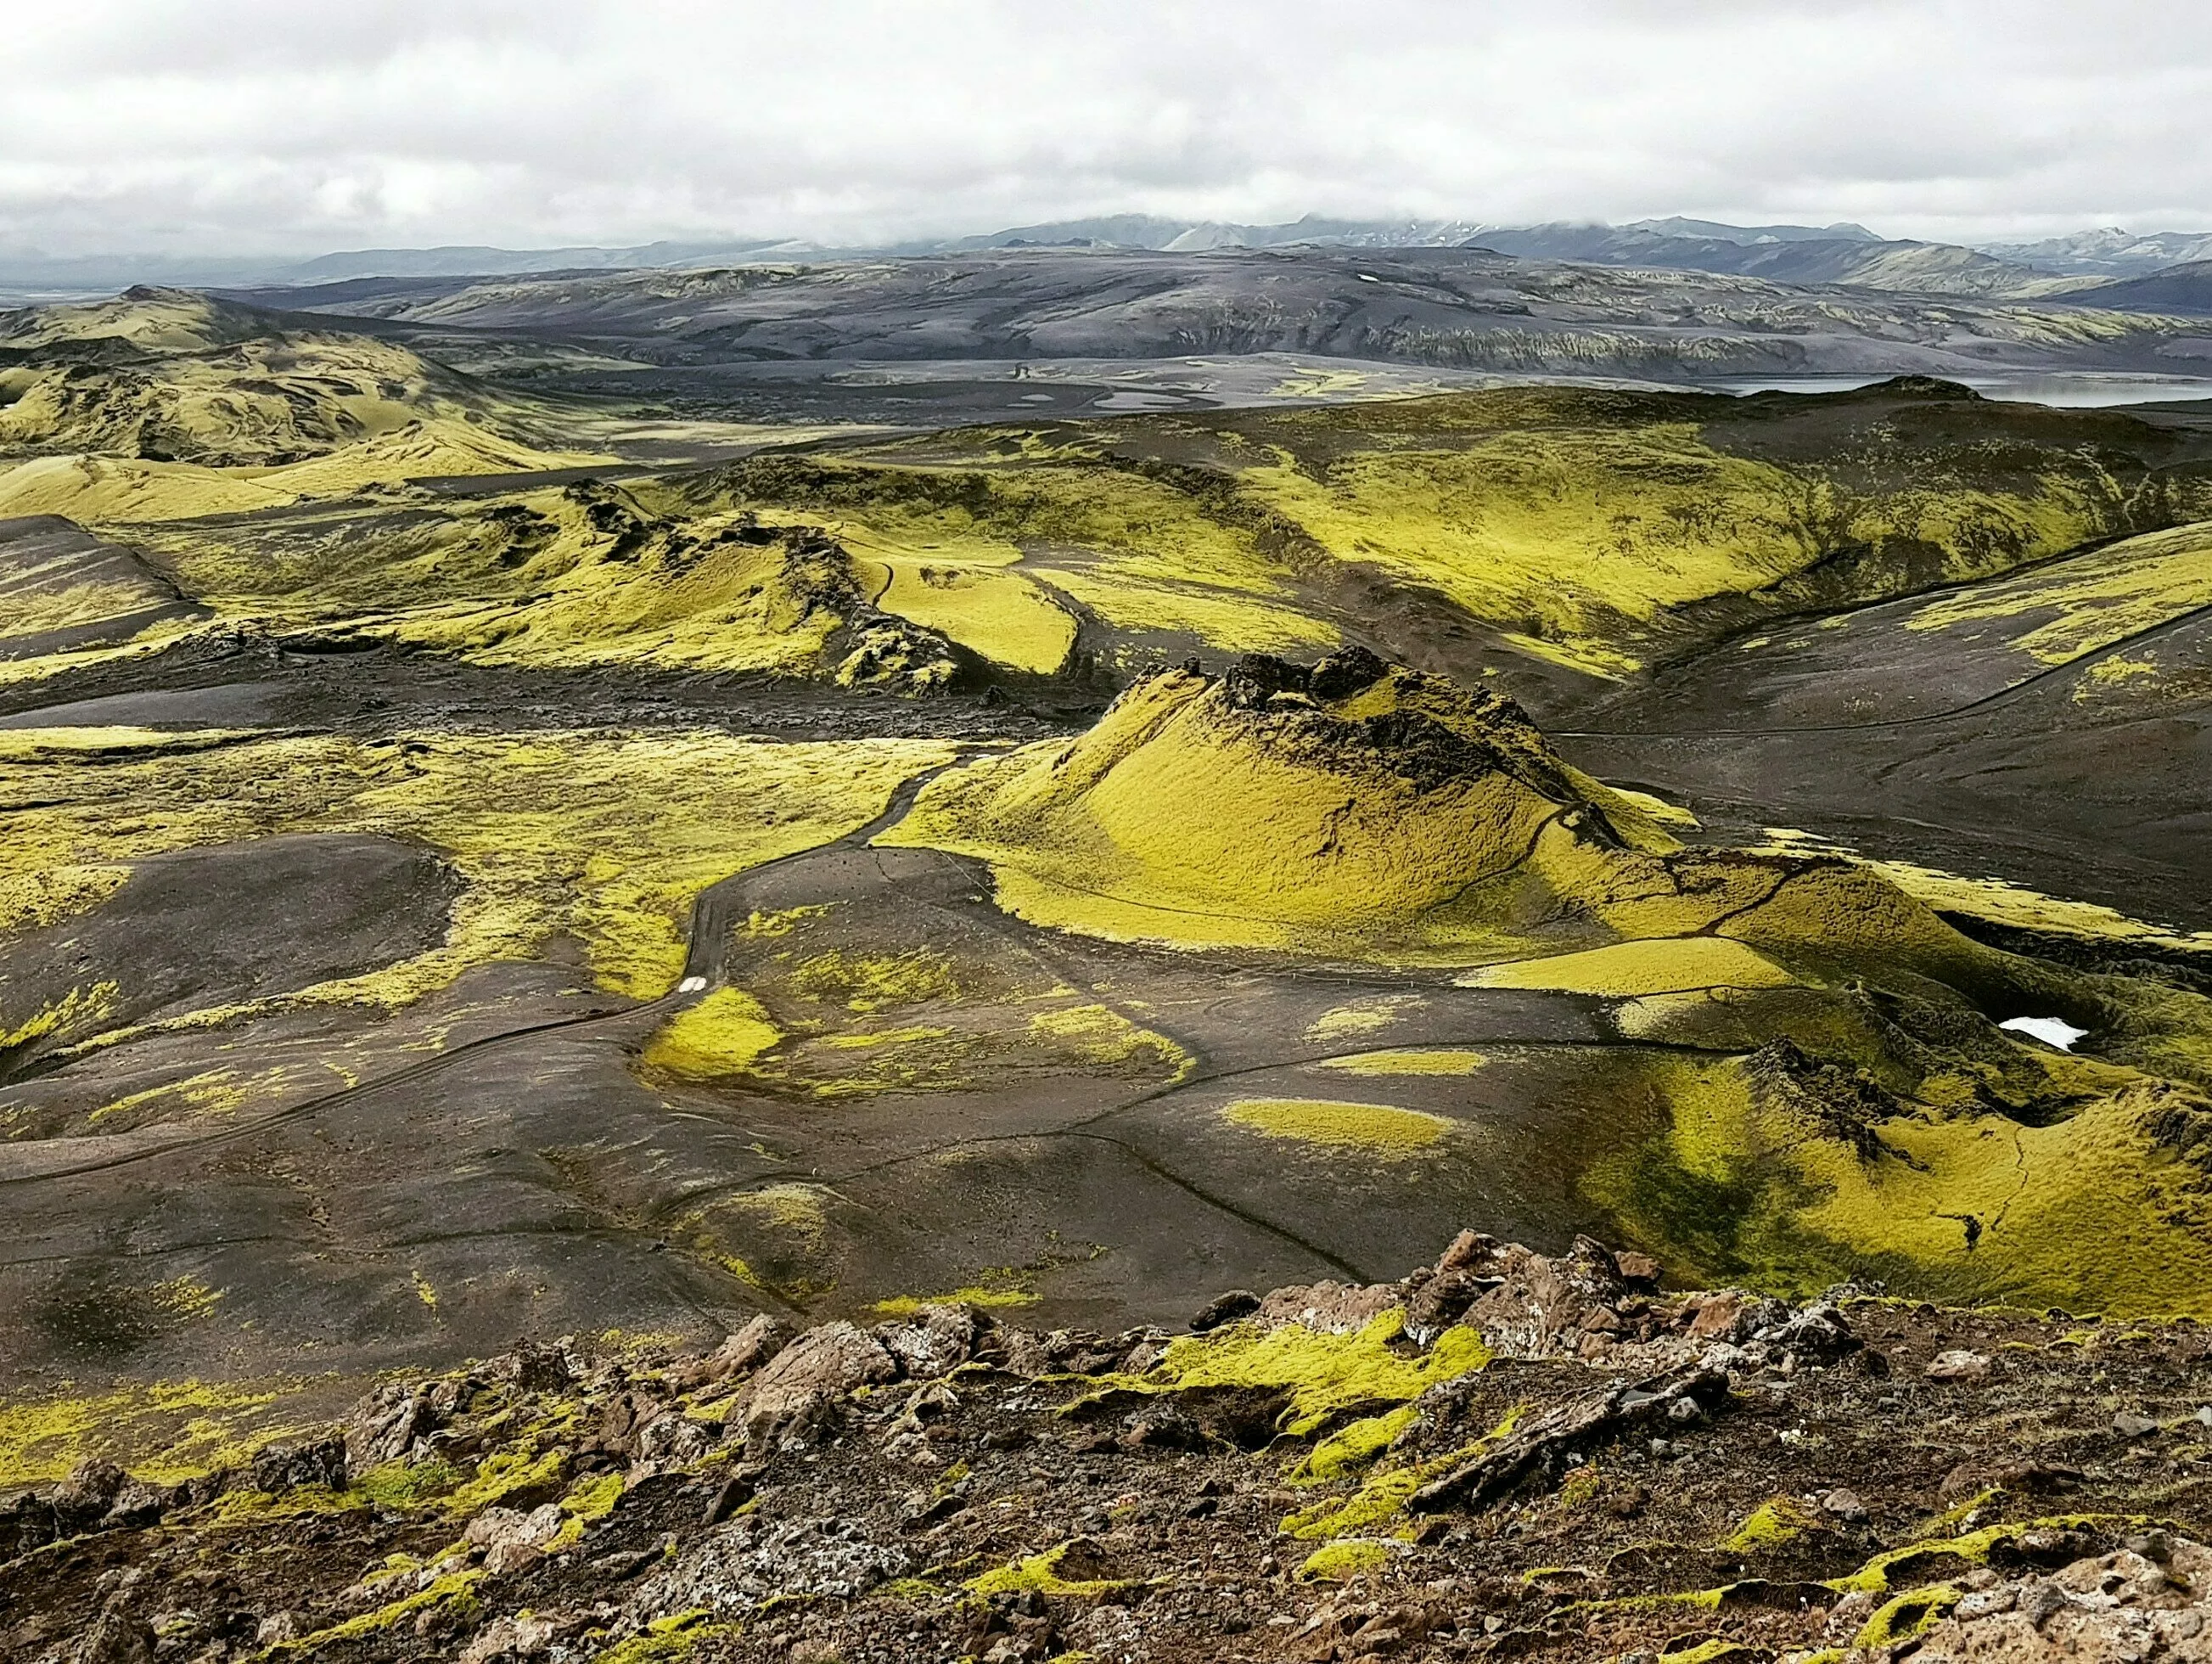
(141,321)
(581,576)
(1144,548)
(162,376)
(1353,808)
(1796,1173)
(1380,1130)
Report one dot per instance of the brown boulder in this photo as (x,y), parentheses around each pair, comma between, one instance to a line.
(744,1351)
(812,1375)
(1959,1365)
(1640,1269)
(1715,1316)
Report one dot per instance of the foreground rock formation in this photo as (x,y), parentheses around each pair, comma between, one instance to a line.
(1504,1454)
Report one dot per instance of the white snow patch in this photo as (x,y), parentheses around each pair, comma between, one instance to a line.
(2051,1031)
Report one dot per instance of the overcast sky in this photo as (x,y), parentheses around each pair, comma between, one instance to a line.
(264,126)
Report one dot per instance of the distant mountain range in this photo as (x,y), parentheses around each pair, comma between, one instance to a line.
(1844,254)
(1460,308)
(1838,254)
(2110,252)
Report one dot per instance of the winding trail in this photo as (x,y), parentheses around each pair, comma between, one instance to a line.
(711,912)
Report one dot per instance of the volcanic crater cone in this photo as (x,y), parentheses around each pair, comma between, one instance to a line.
(1363,810)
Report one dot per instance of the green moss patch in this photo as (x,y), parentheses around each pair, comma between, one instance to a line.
(1377,1129)
(1048,1574)
(1427,1060)
(1631,969)
(1326,1374)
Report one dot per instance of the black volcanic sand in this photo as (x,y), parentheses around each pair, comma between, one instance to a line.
(45,558)
(210,927)
(1965,755)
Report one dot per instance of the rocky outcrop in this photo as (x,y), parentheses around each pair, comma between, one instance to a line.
(1618,1470)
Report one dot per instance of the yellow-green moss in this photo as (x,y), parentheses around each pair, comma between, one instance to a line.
(407,1485)
(1585,1483)
(868,982)
(588,1502)
(1351,1447)
(1629,969)
(908,1305)
(724,1034)
(1912,1613)
(1380,1129)
(1772,1525)
(455,1592)
(76,1009)
(166,1432)
(1344,1559)
(1973,1548)
(2086,1212)
(667,1640)
(911,1588)
(1559,536)
(40,899)
(1377,1507)
(1040,1574)
(1113,524)
(1000,615)
(1362,1016)
(1326,1374)
(211,1092)
(1236,624)
(1712,1652)
(500,1476)
(186,1297)
(2115,670)
(1102,1035)
(1427,1060)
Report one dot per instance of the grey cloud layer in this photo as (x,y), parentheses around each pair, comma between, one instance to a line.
(236,125)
